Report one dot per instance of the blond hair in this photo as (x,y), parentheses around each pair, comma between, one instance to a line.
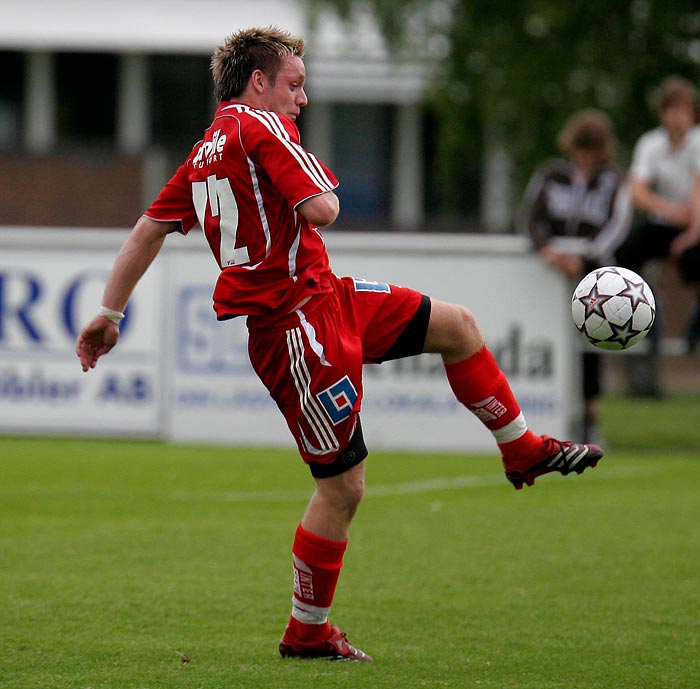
(245,51)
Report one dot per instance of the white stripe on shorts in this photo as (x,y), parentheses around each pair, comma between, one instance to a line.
(310,406)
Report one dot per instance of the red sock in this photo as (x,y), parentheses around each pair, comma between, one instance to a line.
(481,386)
(317,565)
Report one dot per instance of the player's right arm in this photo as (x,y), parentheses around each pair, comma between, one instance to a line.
(677,213)
(532,216)
(691,236)
(137,253)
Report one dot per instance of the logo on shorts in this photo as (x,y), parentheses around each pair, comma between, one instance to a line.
(362,285)
(338,400)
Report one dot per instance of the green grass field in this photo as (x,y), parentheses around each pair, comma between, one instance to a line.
(115,557)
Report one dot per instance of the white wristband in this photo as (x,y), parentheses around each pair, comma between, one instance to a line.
(110,314)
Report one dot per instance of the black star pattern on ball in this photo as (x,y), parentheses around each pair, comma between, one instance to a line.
(635,292)
(593,301)
(622,334)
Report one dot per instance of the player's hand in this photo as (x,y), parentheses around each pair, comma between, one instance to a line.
(571,265)
(550,256)
(96,339)
(684,241)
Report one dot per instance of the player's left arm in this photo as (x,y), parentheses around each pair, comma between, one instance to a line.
(320,210)
(137,253)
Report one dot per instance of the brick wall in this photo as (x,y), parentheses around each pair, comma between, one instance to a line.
(91,190)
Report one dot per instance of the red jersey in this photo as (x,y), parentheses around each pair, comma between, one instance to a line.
(243,183)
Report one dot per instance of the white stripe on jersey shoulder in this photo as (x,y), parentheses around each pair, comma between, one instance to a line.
(308,162)
(272,117)
(275,123)
(238,107)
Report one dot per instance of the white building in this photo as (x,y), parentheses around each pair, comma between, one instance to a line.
(131,76)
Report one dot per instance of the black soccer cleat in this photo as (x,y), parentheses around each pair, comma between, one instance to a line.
(555,455)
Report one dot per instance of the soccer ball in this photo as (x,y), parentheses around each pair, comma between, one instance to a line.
(613,308)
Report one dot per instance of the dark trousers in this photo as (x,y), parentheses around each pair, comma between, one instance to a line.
(647,242)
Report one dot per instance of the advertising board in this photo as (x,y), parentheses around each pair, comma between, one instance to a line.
(179,374)
(522,308)
(48,289)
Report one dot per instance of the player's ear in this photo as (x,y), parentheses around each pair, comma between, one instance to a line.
(258,80)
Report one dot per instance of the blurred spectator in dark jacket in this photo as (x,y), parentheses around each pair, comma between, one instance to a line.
(577,211)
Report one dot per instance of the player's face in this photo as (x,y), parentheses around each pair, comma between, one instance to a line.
(286,96)
(585,160)
(678,118)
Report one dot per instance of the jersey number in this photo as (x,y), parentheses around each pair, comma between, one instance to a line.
(222,204)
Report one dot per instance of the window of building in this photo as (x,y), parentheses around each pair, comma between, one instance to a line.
(86,94)
(182,100)
(452,169)
(11,94)
(362,160)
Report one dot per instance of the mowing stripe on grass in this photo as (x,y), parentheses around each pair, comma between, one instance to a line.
(406,488)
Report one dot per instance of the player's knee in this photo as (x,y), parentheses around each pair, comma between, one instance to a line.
(470,339)
(454,332)
(465,323)
(343,493)
(353,487)
(353,496)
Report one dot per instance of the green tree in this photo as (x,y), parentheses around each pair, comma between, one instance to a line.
(518,69)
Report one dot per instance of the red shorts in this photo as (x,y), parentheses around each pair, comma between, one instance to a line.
(311,362)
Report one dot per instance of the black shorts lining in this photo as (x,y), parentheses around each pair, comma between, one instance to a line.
(351,456)
(412,340)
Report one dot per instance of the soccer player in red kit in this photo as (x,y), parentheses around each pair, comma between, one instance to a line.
(260,199)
